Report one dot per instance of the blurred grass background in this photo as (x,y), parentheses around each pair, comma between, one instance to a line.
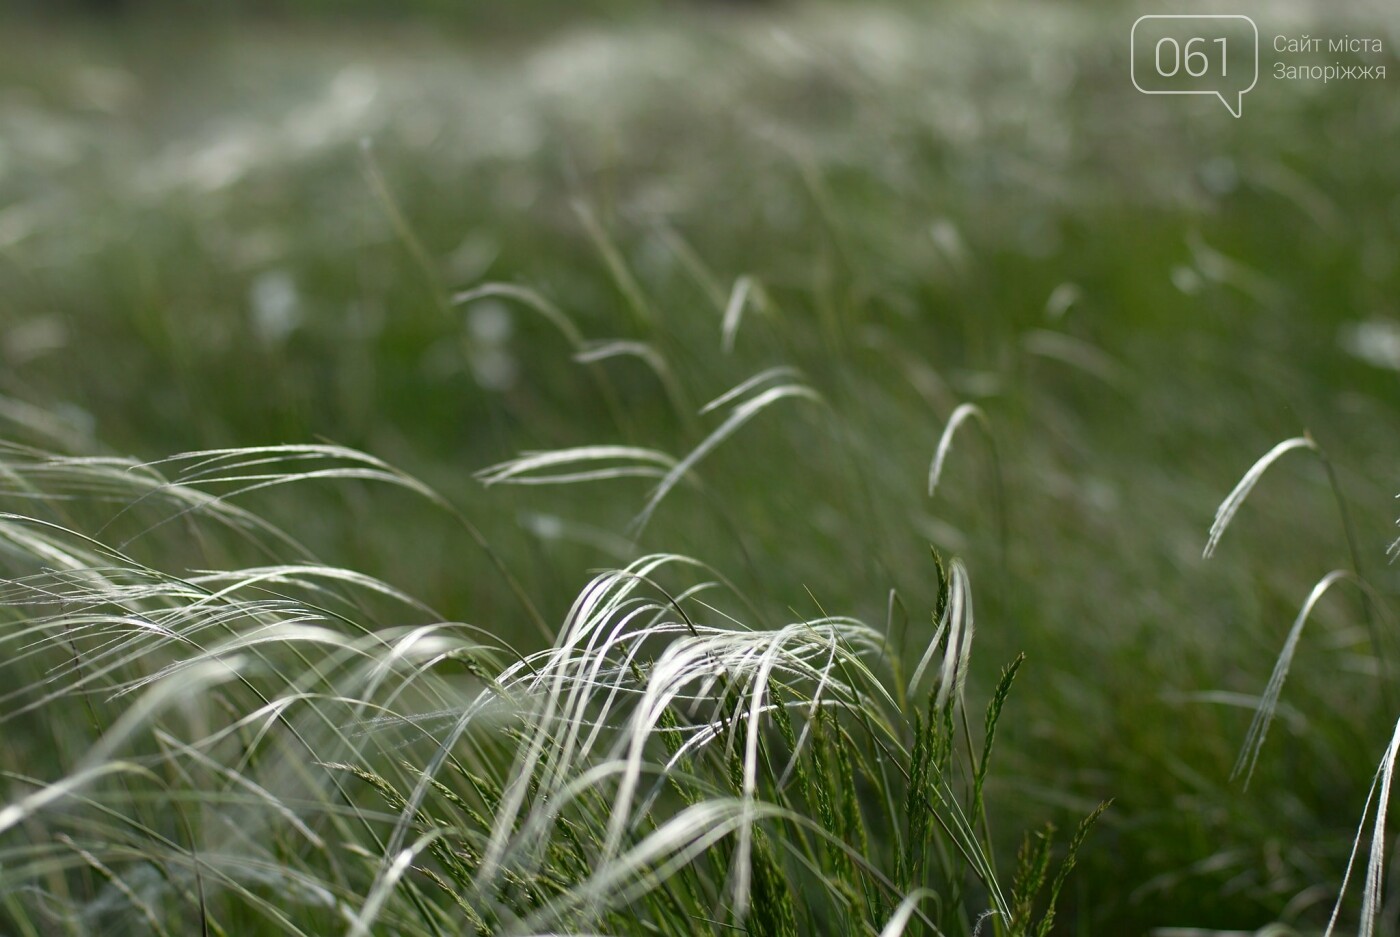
(245,226)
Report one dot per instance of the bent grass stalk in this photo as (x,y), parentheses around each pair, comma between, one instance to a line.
(551,312)
(650,356)
(1268,702)
(740,415)
(734,313)
(963,413)
(1371,894)
(1236,498)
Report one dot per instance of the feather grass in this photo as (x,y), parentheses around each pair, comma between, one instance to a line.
(1268,702)
(1375,864)
(658,762)
(1236,498)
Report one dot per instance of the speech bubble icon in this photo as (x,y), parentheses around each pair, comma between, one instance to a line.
(1215,53)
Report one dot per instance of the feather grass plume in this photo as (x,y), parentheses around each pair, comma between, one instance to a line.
(1231,505)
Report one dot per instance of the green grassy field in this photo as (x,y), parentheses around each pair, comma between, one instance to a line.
(739,271)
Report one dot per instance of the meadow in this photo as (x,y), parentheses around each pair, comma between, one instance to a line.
(540,479)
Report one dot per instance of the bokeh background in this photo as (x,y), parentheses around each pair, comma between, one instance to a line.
(247,224)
